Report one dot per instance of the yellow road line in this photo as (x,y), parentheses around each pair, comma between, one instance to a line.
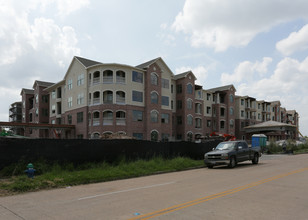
(214,196)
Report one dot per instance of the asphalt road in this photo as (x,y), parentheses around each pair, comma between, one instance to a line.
(276,188)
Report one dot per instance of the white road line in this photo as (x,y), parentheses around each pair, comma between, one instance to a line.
(127,190)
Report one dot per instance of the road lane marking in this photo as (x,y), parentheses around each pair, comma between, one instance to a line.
(127,190)
(215,196)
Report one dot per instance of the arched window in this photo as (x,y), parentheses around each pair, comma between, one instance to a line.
(231,98)
(96,117)
(189,103)
(154,116)
(189,136)
(96,98)
(96,77)
(198,108)
(120,97)
(189,89)
(95,135)
(107,117)
(120,118)
(108,76)
(154,98)
(120,76)
(108,97)
(189,119)
(231,123)
(154,136)
(231,111)
(154,79)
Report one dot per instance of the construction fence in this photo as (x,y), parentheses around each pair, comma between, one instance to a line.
(82,150)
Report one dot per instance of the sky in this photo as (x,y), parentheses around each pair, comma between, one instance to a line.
(261,47)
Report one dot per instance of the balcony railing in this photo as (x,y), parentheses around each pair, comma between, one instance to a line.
(107,121)
(96,101)
(96,121)
(108,79)
(121,121)
(120,100)
(96,81)
(120,79)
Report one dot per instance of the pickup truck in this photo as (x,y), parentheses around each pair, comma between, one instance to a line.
(230,153)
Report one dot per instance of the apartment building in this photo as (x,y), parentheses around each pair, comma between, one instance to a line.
(146,101)
(35,108)
(219,110)
(15,115)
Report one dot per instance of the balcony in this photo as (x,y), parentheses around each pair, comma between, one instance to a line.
(121,121)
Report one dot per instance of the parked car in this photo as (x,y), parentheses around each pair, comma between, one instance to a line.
(230,153)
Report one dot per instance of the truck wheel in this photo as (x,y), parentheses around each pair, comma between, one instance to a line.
(255,159)
(210,166)
(232,163)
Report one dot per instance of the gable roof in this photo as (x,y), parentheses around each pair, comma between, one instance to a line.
(147,64)
(27,91)
(183,75)
(222,88)
(42,83)
(86,62)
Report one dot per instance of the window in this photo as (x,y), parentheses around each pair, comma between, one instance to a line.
(70,102)
(36,98)
(242,113)
(120,76)
(108,97)
(96,77)
(154,116)
(199,94)
(259,116)
(120,118)
(120,97)
(198,123)
(189,89)
(80,99)
(137,96)
(138,136)
(222,124)
(222,112)
(208,123)
(179,89)
(178,104)
(154,136)
(53,94)
(208,110)
(189,104)
(171,104)
(108,76)
(107,117)
(231,111)
(208,96)
(189,120)
(80,80)
(53,109)
(231,123)
(96,98)
(137,115)
(69,119)
(154,98)
(45,98)
(179,120)
(79,136)
(69,84)
(79,117)
(165,118)
(165,100)
(242,101)
(231,98)
(165,137)
(198,108)
(189,136)
(154,79)
(165,83)
(171,88)
(137,77)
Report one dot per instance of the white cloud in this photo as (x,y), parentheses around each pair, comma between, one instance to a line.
(288,84)
(246,71)
(296,41)
(200,72)
(225,23)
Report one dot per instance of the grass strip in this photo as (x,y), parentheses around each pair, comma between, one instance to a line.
(68,175)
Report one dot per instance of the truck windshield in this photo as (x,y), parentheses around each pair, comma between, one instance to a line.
(225,146)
